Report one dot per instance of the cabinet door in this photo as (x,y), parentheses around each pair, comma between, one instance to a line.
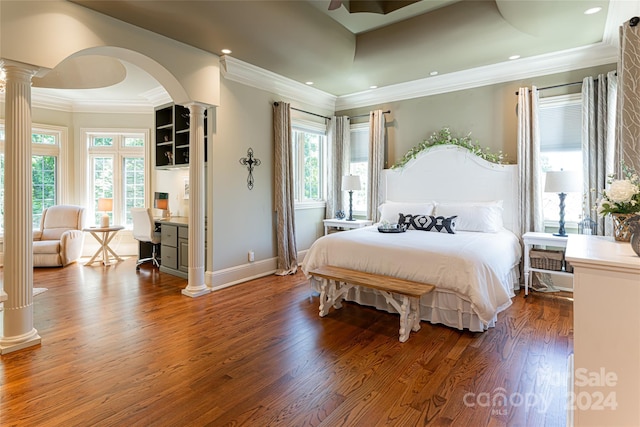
(183,255)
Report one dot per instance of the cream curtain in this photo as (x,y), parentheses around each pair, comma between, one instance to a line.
(339,153)
(287,262)
(376,162)
(628,114)
(598,141)
(530,202)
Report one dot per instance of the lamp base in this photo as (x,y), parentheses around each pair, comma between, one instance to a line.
(350,206)
(560,235)
(104,221)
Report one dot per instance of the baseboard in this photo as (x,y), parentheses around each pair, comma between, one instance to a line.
(224,278)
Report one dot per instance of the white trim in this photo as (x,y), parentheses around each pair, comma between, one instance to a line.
(117,152)
(309,126)
(227,277)
(221,279)
(59,151)
(123,106)
(557,62)
(242,72)
(320,204)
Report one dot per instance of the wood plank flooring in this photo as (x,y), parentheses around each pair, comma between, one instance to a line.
(121,348)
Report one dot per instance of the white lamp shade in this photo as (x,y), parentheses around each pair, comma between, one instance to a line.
(350,183)
(105,205)
(562,182)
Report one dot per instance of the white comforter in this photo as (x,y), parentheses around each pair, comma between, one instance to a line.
(475,266)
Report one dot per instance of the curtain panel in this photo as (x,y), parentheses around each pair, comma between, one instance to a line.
(339,159)
(529,169)
(599,154)
(377,125)
(287,262)
(628,114)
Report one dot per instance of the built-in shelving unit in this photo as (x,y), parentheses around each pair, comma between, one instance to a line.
(172,136)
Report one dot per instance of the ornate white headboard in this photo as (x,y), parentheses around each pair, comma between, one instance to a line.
(448,173)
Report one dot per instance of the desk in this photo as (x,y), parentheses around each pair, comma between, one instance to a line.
(104,235)
(174,245)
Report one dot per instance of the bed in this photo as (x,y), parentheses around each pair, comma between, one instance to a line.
(475,269)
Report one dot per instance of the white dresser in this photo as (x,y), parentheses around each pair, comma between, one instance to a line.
(606,331)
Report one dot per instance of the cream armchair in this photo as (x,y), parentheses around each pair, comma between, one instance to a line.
(60,238)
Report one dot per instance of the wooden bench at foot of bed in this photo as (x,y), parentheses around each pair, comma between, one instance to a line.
(336,281)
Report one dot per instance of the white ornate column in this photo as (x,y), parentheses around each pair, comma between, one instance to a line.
(18,331)
(196,285)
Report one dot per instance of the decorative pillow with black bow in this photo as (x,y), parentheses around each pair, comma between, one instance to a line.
(429,223)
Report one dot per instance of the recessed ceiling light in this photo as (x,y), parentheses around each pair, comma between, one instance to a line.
(308,83)
(433,73)
(373,87)
(226,51)
(592,10)
(514,57)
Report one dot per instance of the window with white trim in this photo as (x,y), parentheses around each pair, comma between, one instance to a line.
(47,147)
(560,122)
(117,170)
(309,161)
(359,165)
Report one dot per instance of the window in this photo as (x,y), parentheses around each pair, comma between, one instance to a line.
(309,142)
(561,148)
(117,170)
(359,165)
(48,144)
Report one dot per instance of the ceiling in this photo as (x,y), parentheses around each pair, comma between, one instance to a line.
(344,53)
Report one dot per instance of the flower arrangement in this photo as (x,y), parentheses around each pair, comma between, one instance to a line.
(444,137)
(623,195)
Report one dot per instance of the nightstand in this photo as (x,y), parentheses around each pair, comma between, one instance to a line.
(544,239)
(345,224)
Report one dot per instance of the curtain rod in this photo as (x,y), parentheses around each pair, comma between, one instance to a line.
(367,115)
(562,85)
(306,112)
(553,87)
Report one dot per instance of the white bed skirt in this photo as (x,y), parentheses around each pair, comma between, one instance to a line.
(441,306)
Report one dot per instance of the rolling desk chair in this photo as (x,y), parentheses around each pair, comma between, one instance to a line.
(144,230)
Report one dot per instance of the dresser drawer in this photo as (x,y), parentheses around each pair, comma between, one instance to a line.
(169,257)
(169,235)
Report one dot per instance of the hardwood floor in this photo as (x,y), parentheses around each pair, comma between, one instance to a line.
(121,348)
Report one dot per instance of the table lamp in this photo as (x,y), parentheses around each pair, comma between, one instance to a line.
(105,205)
(562,182)
(350,183)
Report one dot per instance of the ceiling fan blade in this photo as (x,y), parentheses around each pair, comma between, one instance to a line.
(335,4)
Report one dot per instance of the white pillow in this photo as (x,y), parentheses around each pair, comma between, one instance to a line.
(485,217)
(390,211)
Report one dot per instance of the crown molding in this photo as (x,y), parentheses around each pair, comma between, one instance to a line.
(556,62)
(122,106)
(242,72)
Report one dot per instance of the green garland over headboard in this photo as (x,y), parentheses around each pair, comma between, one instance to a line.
(444,137)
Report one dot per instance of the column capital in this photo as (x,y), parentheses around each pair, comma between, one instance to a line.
(31,70)
(194,104)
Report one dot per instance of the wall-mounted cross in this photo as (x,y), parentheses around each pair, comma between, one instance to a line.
(250,162)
